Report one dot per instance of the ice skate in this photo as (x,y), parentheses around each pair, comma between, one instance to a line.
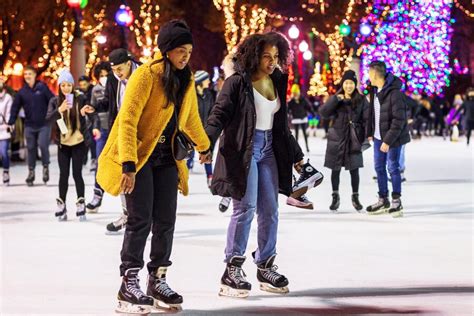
(61,212)
(270,280)
(163,296)
(93,206)
(233,282)
(131,299)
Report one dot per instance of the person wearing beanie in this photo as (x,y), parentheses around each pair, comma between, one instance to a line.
(299,109)
(206,101)
(6,101)
(139,161)
(34,97)
(72,137)
(348,108)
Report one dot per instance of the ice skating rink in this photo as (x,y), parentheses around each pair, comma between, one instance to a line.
(337,264)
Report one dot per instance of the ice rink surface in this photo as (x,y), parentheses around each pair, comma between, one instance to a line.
(337,264)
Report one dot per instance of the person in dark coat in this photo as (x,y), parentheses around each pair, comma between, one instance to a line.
(298,109)
(255,158)
(348,107)
(387,127)
(467,109)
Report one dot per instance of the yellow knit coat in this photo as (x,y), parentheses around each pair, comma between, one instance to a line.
(141,121)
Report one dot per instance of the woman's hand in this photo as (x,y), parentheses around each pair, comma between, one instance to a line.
(87,109)
(340,97)
(127,183)
(96,133)
(64,107)
(299,166)
(205,157)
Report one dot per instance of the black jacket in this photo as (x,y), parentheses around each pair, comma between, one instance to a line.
(234,114)
(35,103)
(393,113)
(53,115)
(109,102)
(467,109)
(300,109)
(205,103)
(338,153)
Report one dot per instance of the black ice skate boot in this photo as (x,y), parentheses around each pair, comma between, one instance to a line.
(270,280)
(233,282)
(6,178)
(61,212)
(380,207)
(163,296)
(396,208)
(81,209)
(356,202)
(45,174)
(117,226)
(31,177)
(131,299)
(93,206)
(336,201)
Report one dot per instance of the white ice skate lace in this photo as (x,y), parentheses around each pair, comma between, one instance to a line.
(237,274)
(163,288)
(121,221)
(96,199)
(270,274)
(133,286)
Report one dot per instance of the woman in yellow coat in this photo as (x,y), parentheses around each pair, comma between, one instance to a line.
(138,160)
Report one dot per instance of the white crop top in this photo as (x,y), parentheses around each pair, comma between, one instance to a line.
(265,109)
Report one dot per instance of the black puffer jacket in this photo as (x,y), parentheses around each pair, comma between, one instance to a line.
(393,113)
(338,153)
(205,103)
(234,114)
(53,115)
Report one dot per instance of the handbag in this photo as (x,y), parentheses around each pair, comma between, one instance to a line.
(182,145)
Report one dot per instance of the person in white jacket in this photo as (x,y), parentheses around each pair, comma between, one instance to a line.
(6,101)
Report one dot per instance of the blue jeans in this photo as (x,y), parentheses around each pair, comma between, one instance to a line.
(4,153)
(99,146)
(37,137)
(390,161)
(402,159)
(261,196)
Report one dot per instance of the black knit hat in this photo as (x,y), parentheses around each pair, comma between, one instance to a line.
(119,56)
(174,34)
(349,75)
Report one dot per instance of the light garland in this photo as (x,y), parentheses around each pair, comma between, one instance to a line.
(463,9)
(146,29)
(415,43)
(316,84)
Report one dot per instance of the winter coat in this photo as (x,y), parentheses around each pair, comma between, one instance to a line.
(35,103)
(338,152)
(467,109)
(454,116)
(5,107)
(53,115)
(234,114)
(393,113)
(140,123)
(205,103)
(299,110)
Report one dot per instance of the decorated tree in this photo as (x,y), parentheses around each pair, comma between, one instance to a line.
(316,84)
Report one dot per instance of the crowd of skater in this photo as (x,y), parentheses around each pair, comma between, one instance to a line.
(146,125)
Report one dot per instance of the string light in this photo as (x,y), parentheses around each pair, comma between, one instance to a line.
(316,83)
(146,29)
(463,9)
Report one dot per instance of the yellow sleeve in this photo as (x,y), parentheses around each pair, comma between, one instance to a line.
(194,128)
(136,96)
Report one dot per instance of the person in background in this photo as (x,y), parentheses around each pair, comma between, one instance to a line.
(467,110)
(206,101)
(34,98)
(387,127)
(64,112)
(6,101)
(100,122)
(85,86)
(298,110)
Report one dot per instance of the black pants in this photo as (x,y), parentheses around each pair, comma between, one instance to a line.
(151,205)
(65,155)
(469,128)
(335,175)
(303,129)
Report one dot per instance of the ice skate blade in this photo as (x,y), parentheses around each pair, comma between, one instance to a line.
(397,214)
(162,306)
(92,210)
(269,288)
(128,308)
(117,233)
(82,218)
(62,218)
(230,292)
(379,212)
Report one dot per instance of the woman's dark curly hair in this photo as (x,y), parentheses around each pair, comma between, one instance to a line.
(250,50)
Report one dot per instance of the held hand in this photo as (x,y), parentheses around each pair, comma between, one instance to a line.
(384,148)
(127,183)
(96,133)
(205,157)
(340,97)
(88,109)
(64,106)
(370,139)
(299,166)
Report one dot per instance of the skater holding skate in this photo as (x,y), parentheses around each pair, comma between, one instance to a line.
(255,158)
(349,109)
(64,113)
(387,126)
(139,160)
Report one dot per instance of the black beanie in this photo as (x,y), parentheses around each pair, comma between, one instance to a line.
(349,75)
(174,34)
(119,56)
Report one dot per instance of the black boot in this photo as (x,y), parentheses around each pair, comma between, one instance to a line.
(336,201)
(380,207)
(356,202)
(233,282)
(45,174)
(270,280)
(93,206)
(130,297)
(162,294)
(396,208)
(61,212)
(31,177)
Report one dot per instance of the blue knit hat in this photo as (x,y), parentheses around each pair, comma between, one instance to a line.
(200,76)
(65,76)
